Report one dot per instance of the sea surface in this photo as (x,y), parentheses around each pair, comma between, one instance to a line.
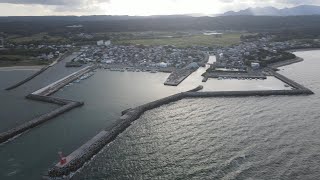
(107,93)
(274,137)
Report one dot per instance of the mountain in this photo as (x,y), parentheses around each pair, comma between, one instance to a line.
(271,11)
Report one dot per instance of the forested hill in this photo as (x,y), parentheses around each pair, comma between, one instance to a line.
(91,24)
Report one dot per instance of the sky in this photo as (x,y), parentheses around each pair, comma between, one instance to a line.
(136,7)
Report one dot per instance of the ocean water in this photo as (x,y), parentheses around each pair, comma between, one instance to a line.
(274,137)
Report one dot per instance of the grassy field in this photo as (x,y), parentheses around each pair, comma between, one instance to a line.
(18,60)
(41,37)
(193,40)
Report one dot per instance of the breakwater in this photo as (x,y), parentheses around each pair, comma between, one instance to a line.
(43,69)
(5,136)
(43,96)
(290,82)
(28,78)
(87,151)
(285,63)
(54,87)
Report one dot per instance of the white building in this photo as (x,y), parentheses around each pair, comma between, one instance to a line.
(163,65)
(193,65)
(100,43)
(255,65)
(107,43)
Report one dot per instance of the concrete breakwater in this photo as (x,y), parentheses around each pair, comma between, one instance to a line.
(54,87)
(92,147)
(245,93)
(28,78)
(36,73)
(290,82)
(87,151)
(285,63)
(5,136)
(43,96)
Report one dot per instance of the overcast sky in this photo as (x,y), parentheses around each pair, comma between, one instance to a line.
(135,7)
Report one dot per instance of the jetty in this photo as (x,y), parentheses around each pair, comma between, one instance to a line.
(43,95)
(43,69)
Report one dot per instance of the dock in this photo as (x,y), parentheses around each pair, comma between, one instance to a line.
(236,76)
(176,77)
(54,87)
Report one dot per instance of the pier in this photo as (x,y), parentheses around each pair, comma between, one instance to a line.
(54,87)
(43,95)
(176,77)
(235,75)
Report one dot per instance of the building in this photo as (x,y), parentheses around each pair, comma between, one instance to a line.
(193,65)
(163,65)
(107,43)
(255,65)
(100,43)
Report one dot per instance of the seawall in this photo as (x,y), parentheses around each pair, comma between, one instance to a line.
(86,152)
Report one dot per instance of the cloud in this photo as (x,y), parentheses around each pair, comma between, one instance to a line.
(54,2)
(137,7)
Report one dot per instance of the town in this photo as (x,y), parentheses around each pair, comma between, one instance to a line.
(241,60)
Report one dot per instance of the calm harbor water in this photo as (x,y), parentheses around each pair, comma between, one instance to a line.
(107,93)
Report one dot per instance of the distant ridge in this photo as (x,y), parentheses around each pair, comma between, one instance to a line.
(271,11)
